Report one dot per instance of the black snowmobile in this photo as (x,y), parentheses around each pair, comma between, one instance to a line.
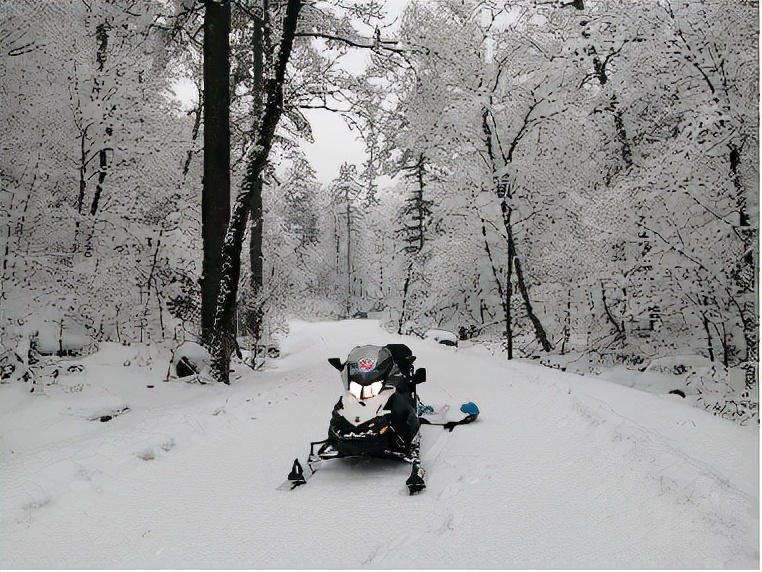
(378,414)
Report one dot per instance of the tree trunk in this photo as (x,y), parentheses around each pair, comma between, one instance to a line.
(567,323)
(500,190)
(82,173)
(722,336)
(255,311)
(621,132)
(349,251)
(215,197)
(223,339)
(503,193)
(415,214)
(420,170)
(621,334)
(746,272)
(488,250)
(709,344)
(101,36)
(405,289)
(508,279)
(539,331)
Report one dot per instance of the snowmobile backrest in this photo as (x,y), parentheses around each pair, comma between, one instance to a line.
(419,376)
(403,357)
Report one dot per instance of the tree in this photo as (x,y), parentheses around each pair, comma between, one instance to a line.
(416,217)
(215,198)
(346,193)
(92,161)
(223,340)
(452,81)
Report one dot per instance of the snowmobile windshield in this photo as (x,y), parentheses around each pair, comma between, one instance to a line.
(369,364)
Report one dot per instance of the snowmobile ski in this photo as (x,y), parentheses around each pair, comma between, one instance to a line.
(415,482)
(296,476)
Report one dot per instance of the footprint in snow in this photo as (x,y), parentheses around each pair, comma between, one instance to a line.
(448,522)
(154,452)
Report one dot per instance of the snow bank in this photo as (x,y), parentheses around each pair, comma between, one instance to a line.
(191,362)
(442,337)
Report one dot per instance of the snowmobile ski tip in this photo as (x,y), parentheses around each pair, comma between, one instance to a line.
(415,482)
(296,476)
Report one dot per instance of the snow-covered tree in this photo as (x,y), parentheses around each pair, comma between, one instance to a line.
(91,168)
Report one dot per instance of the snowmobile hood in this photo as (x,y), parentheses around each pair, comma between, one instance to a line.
(368,364)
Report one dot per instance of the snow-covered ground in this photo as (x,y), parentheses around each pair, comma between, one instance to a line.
(559,471)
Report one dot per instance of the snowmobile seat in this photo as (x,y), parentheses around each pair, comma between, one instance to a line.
(404,416)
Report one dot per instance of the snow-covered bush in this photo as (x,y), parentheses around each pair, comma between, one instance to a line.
(443,337)
(62,338)
(12,367)
(679,364)
(191,362)
(723,392)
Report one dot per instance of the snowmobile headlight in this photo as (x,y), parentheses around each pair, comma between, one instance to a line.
(355,389)
(365,391)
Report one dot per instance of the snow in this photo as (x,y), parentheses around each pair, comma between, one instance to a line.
(559,471)
(441,336)
(196,356)
(678,363)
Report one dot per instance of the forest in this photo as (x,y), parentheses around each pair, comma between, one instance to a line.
(546,177)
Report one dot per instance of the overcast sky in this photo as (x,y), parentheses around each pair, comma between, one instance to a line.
(335,143)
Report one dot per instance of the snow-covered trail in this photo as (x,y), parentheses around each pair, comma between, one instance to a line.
(560,471)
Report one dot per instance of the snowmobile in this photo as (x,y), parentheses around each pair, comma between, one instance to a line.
(378,415)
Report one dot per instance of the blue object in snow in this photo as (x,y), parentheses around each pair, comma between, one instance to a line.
(470,408)
(424,409)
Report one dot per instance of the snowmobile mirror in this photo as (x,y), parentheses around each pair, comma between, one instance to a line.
(336,362)
(419,376)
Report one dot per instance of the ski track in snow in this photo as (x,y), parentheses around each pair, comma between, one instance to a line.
(560,471)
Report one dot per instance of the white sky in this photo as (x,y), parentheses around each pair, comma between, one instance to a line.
(335,144)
